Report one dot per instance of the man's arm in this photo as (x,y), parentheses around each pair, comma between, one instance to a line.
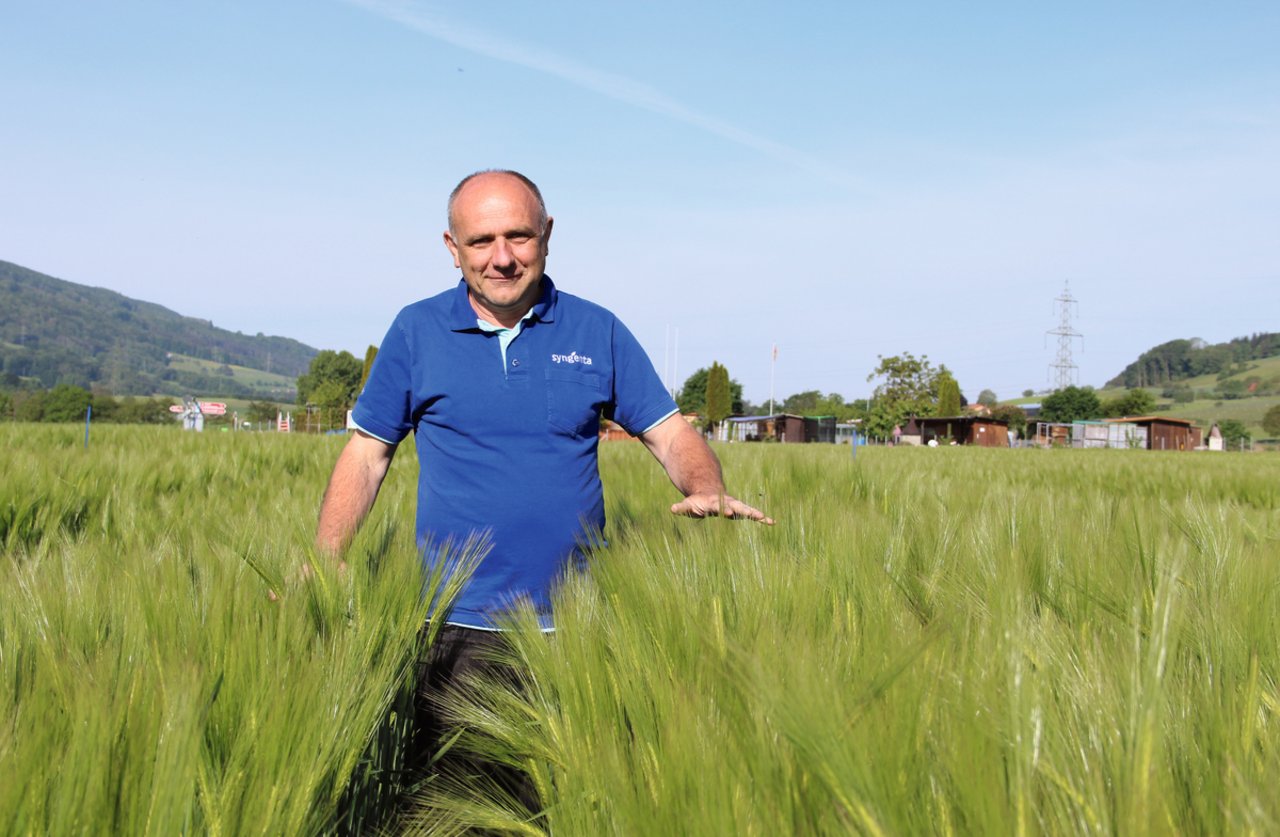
(352,489)
(695,471)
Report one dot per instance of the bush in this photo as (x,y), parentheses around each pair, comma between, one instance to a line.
(1071,404)
(1234,434)
(66,403)
(30,406)
(1016,416)
(1271,421)
(1233,389)
(1135,402)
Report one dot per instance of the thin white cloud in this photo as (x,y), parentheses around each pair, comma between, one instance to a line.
(613,86)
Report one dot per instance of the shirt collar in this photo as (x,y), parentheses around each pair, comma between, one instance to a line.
(462,317)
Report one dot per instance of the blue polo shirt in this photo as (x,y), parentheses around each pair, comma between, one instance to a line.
(507,447)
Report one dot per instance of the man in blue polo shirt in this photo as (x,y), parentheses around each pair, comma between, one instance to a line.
(503,380)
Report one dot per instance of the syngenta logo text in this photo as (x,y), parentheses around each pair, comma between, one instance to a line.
(572,357)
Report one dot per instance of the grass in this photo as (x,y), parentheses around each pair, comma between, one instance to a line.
(257,379)
(1265,368)
(1247,411)
(953,640)
(973,641)
(150,684)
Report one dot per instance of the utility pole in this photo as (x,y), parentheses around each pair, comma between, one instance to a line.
(772,364)
(669,361)
(1064,367)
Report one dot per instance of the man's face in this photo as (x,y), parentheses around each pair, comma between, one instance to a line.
(498,237)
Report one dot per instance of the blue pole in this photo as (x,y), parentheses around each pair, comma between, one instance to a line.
(88,414)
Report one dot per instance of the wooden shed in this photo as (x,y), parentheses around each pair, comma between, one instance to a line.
(983,431)
(1164,433)
(820,429)
(782,427)
(749,428)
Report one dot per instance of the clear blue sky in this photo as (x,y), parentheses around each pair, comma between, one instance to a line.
(841,179)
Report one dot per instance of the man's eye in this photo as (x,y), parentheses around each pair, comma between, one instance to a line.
(519,239)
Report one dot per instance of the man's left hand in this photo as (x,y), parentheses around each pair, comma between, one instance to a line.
(719,505)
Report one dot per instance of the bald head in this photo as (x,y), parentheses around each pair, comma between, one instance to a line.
(479,178)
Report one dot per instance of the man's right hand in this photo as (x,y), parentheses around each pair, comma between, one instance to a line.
(719,505)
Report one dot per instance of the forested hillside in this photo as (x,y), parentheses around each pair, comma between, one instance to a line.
(53,331)
(1178,360)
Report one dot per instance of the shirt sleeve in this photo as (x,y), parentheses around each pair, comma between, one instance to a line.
(384,409)
(640,401)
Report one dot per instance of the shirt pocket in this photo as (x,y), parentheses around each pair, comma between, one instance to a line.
(574,399)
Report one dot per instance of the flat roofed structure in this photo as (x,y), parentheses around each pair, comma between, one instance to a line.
(1165,433)
(983,431)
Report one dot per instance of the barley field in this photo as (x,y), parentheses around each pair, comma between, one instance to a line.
(930,641)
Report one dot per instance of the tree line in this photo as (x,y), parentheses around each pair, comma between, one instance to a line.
(1178,360)
(67,402)
(907,386)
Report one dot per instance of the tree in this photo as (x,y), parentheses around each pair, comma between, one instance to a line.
(1233,389)
(1071,404)
(803,403)
(813,403)
(1271,421)
(29,406)
(1028,393)
(909,386)
(66,403)
(333,398)
(1234,434)
(1135,402)
(693,395)
(143,411)
(859,408)
(1012,413)
(909,389)
(718,395)
(131,410)
(332,383)
(369,355)
(261,412)
(948,395)
(987,398)
(105,409)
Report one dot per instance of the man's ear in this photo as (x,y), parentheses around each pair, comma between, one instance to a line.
(546,235)
(453,248)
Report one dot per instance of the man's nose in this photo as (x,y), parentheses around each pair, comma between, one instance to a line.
(502,256)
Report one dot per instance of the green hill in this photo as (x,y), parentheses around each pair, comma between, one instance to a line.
(53,331)
(1238,380)
(1179,360)
(1244,394)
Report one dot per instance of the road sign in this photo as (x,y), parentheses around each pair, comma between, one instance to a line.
(213,409)
(175,408)
(206,406)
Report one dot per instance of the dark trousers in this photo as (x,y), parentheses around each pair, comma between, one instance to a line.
(457,655)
